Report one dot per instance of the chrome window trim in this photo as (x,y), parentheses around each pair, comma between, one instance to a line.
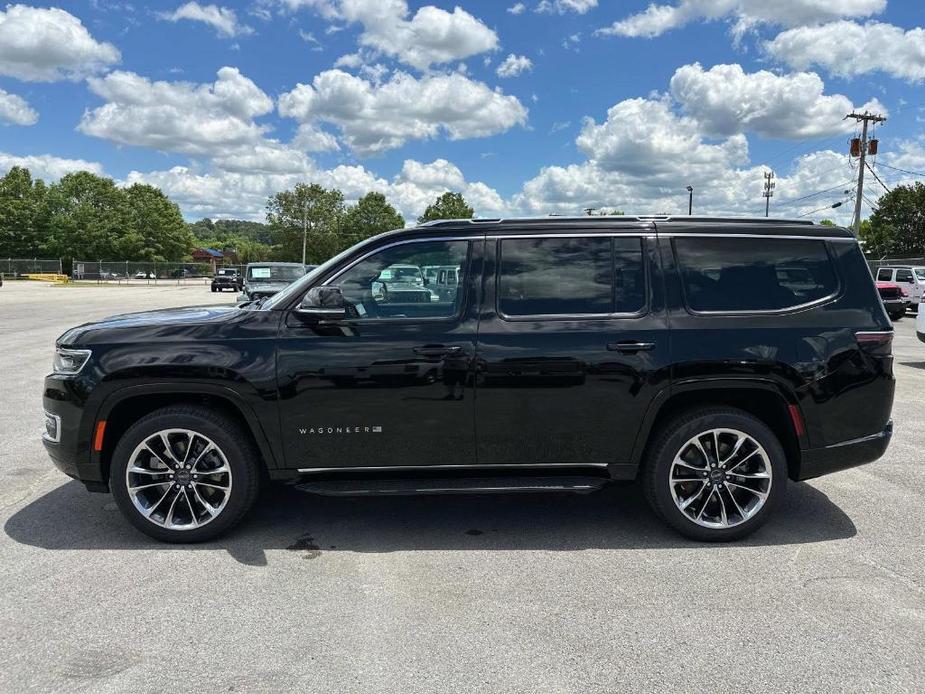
(789,237)
(533,317)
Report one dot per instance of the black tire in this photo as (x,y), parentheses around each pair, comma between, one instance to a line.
(214,290)
(238,450)
(667,444)
(896,315)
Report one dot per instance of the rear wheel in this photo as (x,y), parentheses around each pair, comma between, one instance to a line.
(184,474)
(715,474)
(896,315)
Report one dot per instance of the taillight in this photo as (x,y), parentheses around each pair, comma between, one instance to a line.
(879,342)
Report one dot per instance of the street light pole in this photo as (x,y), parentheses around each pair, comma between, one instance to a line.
(690,200)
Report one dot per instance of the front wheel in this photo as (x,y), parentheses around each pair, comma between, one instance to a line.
(184,474)
(715,474)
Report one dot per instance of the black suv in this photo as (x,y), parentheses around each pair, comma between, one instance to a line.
(227,278)
(711,359)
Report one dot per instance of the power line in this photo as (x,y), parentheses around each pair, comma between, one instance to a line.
(873,205)
(818,192)
(827,207)
(896,168)
(885,186)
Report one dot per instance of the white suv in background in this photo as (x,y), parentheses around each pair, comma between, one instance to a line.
(908,277)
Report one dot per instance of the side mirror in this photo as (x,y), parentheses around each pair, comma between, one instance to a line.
(324,303)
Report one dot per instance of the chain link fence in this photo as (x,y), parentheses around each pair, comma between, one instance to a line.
(893,262)
(132,272)
(11,268)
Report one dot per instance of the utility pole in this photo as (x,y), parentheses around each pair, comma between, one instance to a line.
(864,119)
(768,191)
(304,229)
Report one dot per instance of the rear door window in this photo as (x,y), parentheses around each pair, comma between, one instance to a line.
(754,274)
(904,276)
(571,276)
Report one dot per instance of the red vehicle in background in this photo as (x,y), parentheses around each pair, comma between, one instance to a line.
(895,299)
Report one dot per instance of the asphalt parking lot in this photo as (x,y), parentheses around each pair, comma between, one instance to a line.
(495,594)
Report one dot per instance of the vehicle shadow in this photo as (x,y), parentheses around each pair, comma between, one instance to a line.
(285,518)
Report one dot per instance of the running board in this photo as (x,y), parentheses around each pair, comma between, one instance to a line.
(462,485)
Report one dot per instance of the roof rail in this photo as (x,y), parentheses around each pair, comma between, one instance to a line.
(603,218)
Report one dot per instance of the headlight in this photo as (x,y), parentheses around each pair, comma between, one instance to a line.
(69,361)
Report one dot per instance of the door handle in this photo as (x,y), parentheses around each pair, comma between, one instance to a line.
(630,346)
(437,350)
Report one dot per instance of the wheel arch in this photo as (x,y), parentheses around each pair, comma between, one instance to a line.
(762,399)
(126,406)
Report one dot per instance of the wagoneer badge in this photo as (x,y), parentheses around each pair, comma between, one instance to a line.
(340,430)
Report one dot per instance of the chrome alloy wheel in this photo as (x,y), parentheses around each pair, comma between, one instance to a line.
(720,478)
(178,479)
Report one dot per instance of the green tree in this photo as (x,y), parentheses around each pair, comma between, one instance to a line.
(447,206)
(157,231)
(23,219)
(89,218)
(319,209)
(897,226)
(827,222)
(370,216)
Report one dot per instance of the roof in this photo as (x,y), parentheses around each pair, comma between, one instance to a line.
(665,223)
(210,251)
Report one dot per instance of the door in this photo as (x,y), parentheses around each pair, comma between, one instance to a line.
(906,280)
(391,385)
(573,345)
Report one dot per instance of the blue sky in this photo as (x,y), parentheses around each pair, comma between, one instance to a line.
(527,107)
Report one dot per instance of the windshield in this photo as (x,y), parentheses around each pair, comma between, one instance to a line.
(920,273)
(274,273)
(407,275)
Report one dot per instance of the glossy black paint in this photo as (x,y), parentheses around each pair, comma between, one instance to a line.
(484,390)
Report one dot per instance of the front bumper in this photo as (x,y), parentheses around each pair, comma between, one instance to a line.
(70,453)
(847,454)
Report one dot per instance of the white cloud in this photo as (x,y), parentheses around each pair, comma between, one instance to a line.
(432,36)
(519,8)
(644,137)
(46,166)
(16,110)
(726,100)
(657,19)
(377,117)
(45,45)
(563,6)
(514,65)
(222,19)
(244,192)
(310,138)
(310,39)
(178,116)
(848,49)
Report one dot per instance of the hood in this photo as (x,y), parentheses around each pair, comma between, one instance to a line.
(136,322)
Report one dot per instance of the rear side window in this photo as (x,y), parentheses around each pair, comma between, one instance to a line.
(884,275)
(766,274)
(571,276)
(904,276)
